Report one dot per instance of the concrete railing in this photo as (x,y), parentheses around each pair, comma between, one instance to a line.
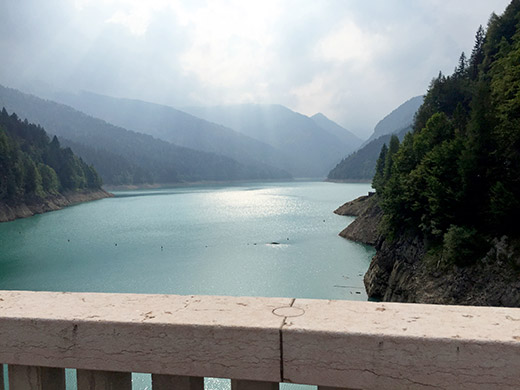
(256,342)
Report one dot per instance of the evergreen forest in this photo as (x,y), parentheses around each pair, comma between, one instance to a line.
(32,166)
(124,157)
(455,179)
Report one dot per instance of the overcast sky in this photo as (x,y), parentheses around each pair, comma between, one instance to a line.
(353,60)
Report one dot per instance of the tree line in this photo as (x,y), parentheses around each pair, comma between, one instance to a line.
(32,166)
(455,179)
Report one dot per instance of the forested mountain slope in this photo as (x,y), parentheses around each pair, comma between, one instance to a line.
(175,126)
(450,192)
(36,172)
(143,159)
(361,165)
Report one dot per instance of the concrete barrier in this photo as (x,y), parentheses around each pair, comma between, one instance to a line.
(256,342)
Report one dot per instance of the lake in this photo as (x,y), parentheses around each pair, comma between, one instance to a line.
(249,239)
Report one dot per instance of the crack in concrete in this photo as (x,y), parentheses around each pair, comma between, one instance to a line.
(284,322)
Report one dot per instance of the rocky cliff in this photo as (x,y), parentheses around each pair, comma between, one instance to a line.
(402,270)
(365,227)
(10,212)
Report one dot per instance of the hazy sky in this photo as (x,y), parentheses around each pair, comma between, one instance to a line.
(353,60)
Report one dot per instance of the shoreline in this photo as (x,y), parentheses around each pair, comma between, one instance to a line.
(10,213)
(143,186)
(401,272)
(366,181)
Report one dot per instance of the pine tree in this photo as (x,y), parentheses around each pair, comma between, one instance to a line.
(378,180)
(460,70)
(389,158)
(477,54)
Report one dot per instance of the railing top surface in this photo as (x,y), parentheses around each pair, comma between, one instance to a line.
(253,312)
(362,345)
(494,324)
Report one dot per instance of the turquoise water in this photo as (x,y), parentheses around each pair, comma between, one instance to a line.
(193,240)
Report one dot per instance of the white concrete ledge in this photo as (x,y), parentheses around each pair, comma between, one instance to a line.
(365,345)
(358,345)
(161,334)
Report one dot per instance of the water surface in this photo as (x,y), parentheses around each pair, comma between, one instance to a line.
(193,240)
(259,239)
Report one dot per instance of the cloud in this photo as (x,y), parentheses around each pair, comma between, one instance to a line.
(351,44)
(354,61)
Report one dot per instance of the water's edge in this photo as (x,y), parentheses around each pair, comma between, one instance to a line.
(51,203)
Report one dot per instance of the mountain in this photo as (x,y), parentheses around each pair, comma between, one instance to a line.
(33,165)
(347,137)
(37,174)
(450,191)
(398,119)
(361,165)
(178,127)
(310,150)
(145,159)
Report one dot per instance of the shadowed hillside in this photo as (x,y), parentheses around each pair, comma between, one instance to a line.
(143,158)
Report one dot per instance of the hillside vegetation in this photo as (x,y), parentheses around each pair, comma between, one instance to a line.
(455,180)
(127,157)
(361,165)
(175,126)
(32,166)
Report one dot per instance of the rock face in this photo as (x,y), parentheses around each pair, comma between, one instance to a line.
(57,202)
(355,207)
(402,272)
(365,227)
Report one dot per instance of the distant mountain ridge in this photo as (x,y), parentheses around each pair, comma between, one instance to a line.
(175,126)
(361,164)
(143,159)
(311,150)
(332,127)
(398,119)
